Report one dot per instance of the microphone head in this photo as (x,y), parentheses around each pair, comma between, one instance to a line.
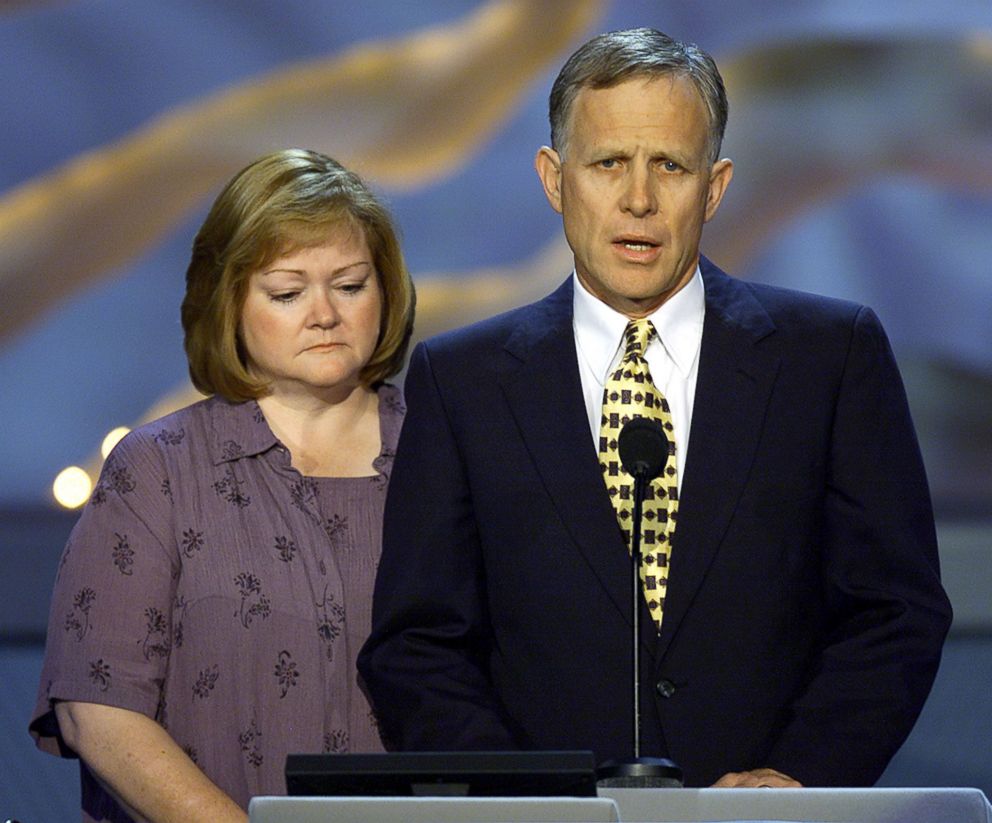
(643,447)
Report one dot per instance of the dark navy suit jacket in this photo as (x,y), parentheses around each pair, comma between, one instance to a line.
(804,616)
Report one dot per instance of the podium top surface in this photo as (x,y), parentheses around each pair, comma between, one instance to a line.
(432,810)
(809,805)
(645,806)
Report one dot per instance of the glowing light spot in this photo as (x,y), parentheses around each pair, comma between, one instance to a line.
(72,487)
(112,439)
(979,46)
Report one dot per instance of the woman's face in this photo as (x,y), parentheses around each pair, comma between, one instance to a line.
(311,317)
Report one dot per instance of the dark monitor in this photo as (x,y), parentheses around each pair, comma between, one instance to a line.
(443,774)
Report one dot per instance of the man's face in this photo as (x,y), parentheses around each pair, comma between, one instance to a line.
(634,188)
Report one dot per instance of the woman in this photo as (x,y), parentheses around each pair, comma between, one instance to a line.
(213,596)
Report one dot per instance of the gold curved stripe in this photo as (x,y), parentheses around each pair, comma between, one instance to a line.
(402,112)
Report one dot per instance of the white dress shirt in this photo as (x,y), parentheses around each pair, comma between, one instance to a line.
(673,356)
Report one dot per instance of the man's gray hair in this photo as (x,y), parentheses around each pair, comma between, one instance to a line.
(612,58)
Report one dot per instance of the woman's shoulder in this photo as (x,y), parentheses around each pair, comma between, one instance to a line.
(181,429)
(147,455)
(204,427)
(187,440)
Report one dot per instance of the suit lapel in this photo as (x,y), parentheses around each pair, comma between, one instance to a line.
(734,383)
(540,380)
(539,377)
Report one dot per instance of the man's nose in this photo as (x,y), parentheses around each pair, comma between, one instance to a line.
(640,197)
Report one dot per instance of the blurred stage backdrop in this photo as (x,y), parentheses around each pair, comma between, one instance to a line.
(861,132)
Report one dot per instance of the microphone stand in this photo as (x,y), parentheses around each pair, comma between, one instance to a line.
(640,482)
(639,772)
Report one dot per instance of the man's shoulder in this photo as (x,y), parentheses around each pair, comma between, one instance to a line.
(780,299)
(786,308)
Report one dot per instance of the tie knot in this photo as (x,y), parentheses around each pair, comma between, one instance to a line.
(636,336)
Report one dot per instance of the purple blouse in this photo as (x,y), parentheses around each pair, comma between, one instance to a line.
(212,587)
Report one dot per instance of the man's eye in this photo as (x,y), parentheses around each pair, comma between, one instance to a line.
(608,163)
(671,165)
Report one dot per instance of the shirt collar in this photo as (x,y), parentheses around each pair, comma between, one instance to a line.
(678,321)
(239,430)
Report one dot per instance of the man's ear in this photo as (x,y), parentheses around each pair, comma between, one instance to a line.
(548,165)
(720,177)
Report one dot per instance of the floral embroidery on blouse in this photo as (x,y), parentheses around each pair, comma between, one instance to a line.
(114,477)
(156,641)
(178,612)
(100,674)
(206,682)
(123,554)
(330,620)
(230,450)
(336,741)
(304,493)
(192,542)
(337,530)
(285,548)
(250,588)
(229,488)
(249,743)
(170,438)
(78,620)
(286,672)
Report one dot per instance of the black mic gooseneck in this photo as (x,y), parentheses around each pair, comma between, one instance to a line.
(643,448)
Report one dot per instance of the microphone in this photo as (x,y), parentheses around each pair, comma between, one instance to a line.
(643,447)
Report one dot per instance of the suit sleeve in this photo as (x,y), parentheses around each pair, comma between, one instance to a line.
(426,661)
(887,612)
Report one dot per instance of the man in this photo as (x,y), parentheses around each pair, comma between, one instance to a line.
(792,622)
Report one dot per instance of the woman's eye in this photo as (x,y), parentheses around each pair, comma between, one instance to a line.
(352,288)
(284,296)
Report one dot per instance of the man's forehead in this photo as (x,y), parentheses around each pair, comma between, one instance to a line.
(644,88)
(666,110)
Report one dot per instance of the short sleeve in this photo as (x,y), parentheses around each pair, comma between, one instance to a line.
(110,623)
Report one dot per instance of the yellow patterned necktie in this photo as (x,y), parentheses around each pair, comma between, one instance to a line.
(630,393)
